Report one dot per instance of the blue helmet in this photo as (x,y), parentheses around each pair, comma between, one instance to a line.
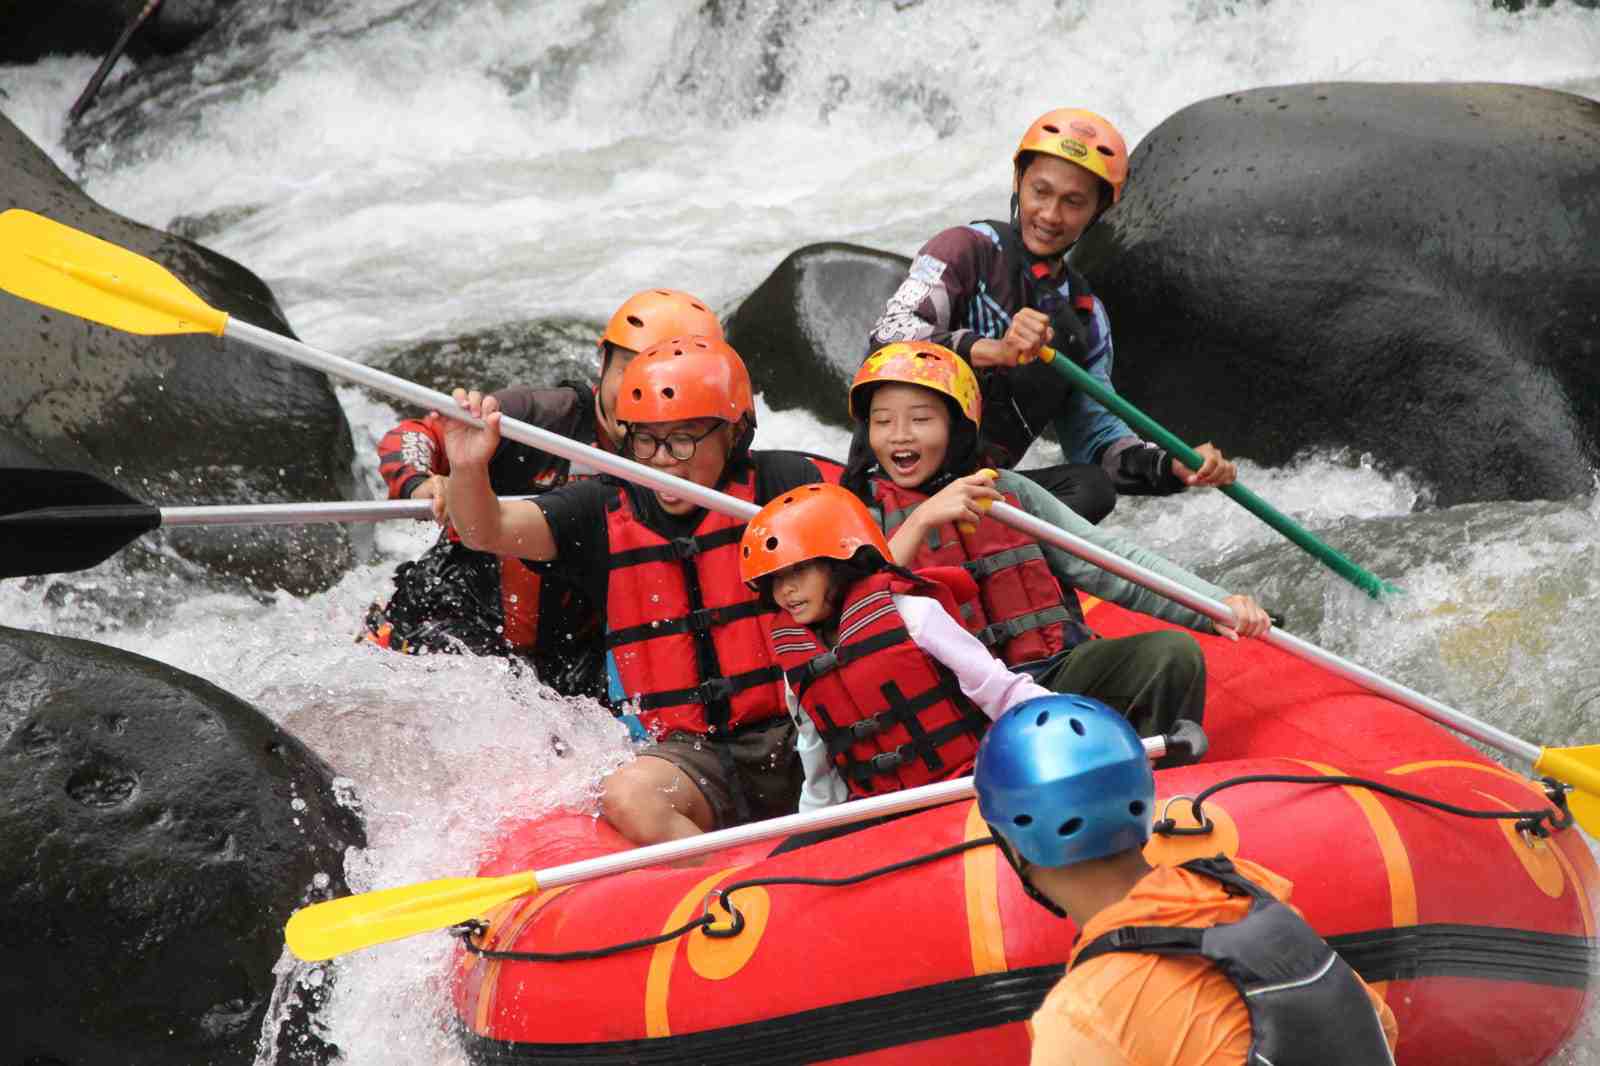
(1064,779)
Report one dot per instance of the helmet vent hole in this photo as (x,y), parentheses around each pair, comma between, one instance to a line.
(1044,716)
(636,322)
(1136,808)
(667,392)
(700,307)
(747,551)
(1070,827)
(1023,820)
(1103,150)
(637,394)
(788,499)
(1077,726)
(1052,129)
(772,544)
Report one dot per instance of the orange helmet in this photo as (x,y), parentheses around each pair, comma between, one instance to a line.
(686,377)
(933,366)
(1080,137)
(810,522)
(657,315)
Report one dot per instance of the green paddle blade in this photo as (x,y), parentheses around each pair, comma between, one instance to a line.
(60,267)
(56,521)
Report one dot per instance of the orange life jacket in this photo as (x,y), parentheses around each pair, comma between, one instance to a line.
(1023,614)
(684,636)
(892,716)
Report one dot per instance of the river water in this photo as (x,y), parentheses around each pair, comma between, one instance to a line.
(399,171)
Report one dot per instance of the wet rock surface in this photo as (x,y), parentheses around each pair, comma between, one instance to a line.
(181,419)
(803,331)
(1406,270)
(155,834)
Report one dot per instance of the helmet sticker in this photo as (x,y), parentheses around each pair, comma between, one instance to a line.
(1073,148)
(1083,129)
(926,268)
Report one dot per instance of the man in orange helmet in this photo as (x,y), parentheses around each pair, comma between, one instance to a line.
(687,662)
(996,292)
(454,597)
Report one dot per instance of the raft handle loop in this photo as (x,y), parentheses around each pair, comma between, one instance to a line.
(735,925)
(1556,792)
(1167,827)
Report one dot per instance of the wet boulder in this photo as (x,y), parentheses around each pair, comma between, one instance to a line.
(1403,270)
(538,352)
(803,331)
(155,834)
(29,31)
(182,419)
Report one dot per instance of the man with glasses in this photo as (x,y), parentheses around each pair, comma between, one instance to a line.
(687,662)
(454,598)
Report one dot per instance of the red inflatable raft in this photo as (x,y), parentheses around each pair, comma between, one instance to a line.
(1481,938)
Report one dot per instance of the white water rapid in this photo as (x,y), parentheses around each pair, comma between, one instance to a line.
(398,170)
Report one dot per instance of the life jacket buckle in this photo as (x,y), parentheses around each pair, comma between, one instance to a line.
(703,619)
(866,727)
(715,690)
(886,761)
(685,547)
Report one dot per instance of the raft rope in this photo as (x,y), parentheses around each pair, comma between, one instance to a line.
(1538,823)
(469,932)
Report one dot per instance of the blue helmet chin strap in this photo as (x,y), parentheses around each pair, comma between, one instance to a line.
(1020,865)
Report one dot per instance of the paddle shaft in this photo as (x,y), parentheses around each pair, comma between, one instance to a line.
(1330,557)
(713,500)
(1220,612)
(860,810)
(288,514)
(510,428)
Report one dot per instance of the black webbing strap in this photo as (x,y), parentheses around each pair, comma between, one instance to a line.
(694,622)
(803,676)
(678,549)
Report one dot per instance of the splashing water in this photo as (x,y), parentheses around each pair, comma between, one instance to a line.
(405,169)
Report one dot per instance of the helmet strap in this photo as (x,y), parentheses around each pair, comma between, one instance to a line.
(1020,865)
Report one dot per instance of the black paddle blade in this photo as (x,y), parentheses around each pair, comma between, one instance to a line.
(57,521)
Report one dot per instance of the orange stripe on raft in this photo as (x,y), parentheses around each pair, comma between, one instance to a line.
(1463,764)
(1396,860)
(1088,602)
(499,937)
(980,871)
(659,981)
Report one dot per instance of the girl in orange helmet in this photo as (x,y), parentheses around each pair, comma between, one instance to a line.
(454,597)
(918,416)
(895,692)
(995,292)
(686,661)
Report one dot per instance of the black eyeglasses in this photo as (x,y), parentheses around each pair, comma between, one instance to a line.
(680,445)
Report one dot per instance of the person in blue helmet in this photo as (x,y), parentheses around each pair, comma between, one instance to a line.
(1067,789)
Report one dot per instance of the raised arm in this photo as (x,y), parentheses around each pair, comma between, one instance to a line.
(517,528)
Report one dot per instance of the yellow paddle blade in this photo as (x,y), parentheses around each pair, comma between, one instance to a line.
(1580,768)
(324,930)
(60,267)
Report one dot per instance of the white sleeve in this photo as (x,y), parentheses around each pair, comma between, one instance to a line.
(823,785)
(983,679)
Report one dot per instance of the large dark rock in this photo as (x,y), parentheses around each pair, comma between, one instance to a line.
(155,834)
(30,30)
(1406,270)
(175,420)
(803,331)
(540,352)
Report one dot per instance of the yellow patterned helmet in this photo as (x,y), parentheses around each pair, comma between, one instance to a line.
(1080,137)
(933,366)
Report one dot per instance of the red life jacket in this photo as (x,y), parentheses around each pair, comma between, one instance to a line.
(684,636)
(890,714)
(1023,613)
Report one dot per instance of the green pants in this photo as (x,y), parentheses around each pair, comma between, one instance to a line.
(1154,679)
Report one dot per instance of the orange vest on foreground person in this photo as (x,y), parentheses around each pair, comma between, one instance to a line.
(1150,1010)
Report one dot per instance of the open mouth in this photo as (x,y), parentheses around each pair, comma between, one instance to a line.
(904,461)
